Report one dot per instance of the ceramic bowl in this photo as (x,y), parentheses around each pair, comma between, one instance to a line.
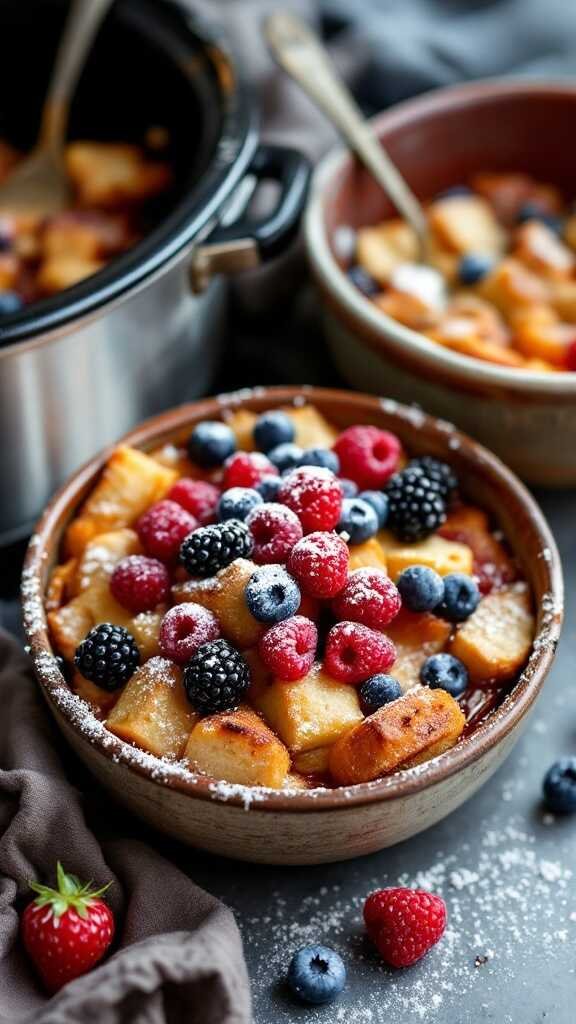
(438,140)
(302,827)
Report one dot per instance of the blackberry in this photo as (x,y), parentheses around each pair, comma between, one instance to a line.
(210,548)
(417,504)
(216,678)
(440,472)
(107,656)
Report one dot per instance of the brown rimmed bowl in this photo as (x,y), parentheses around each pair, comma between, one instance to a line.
(437,140)
(307,827)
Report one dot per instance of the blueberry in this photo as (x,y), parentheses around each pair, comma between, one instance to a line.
(445,672)
(358,519)
(210,443)
(316,974)
(238,502)
(533,211)
(461,597)
(271,594)
(285,456)
(421,589)
(379,502)
(377,691)
(321,457)
(273,428)
(10,302)
(454,191)
(348,487)
(363,281)
(473,267)
(560,786)
(269,487)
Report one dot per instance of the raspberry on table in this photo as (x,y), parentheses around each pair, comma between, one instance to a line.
(369,597)
(421,588)
(416,505)
(358,520)
(184,629)
(315,495)
(140,583)
(445,672)
(246,469)
(316,974)
(275,530)
(368,455)
(108,656)
(210,548)
(285,456)
(320,564)
(162,528)
(271,594)
(216,678)
(210,443)
(404,923)
(354,652)
(199,497)
(273,428)
(288,649)
(238,502)
(377,691)
(460,599)
(559,786)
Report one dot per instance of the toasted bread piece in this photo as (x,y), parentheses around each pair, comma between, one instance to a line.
(507,192)
(537,339)
(238,747)
(437,553)
(563,300)
(407,309)
(153,711)
(241,422)
(59,586)
(382,247)
(495,641)
(59,272)
(145,628)
(296,781)
(369,554)
(110,174)
(100,701)
(130,483)
(415,635)
(492,562)
(70,623)
(416,727)
(475,347)
(224,594)
(466,224)
(312,762)
(539,247)
(311,712)
(511,284)
(101,556)
(312,429)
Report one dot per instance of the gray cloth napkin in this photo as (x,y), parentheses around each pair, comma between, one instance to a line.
(177,956)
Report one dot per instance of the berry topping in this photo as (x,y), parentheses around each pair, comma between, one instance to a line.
(439,471)
(416,506)
(473,267)
(560,786)
(320,564)
(107,656)
(271,429)
(238,502)
(140,583)
(421,588)
(314,494)
(379,503)
(369,597)
(404,923)
(246,469)
(368,455)
(316,974)
(461,598)
(268,487)
(275,530)
(184,629)
(210,548)
(210,443)
(445,672)
(216,678)
(354,652)
(66,930)
(358,520)
(288,649)
(285,457)
(348,487)
(271,594)
(10,302)
(363,281)
(323,457)
(162,529)
(198,497)
(377,691)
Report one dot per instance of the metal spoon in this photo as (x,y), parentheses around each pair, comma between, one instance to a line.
(299,51)
(40,184)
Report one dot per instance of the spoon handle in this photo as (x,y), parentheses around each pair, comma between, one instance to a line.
(298,50)
(82,24)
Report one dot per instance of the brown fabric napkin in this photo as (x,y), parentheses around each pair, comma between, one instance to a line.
(177,956)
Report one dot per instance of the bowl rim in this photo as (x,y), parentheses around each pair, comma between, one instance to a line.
(455,367)
(162,429)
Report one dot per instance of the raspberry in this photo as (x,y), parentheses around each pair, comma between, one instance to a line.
(162,529)
(368,455)
(315,495)
(289,647)
(198,497)
(404,923)
(275,530)
(354,652)
(139,583)
(320,564)
(369,597)
(184,629)
(246,469)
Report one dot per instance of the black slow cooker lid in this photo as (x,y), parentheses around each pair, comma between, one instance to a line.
(153,64)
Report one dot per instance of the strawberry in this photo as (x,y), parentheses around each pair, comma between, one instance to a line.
(404,923)
(67,930)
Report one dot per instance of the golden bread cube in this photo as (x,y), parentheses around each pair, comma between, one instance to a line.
(241,422)
(110,174)
(153,711)
(494,643)
(101,701)
(131,481)
(466,224)
(296,781)
(488,322)
(59,272)
(407,308)
(469,344)
(415,635)
(224,595)
(311,712)
(312,762)
(101,556)
(70,623)
(511,284)
(369,554)
(563,300)
(312,429)
(539,247)
(445,556)
(145,628)
(470,525)
(540,340)
(415,728)
(9,271)
(380,248)
(60,583)
(238,747)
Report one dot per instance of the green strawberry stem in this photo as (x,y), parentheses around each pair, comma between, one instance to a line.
(71,893)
